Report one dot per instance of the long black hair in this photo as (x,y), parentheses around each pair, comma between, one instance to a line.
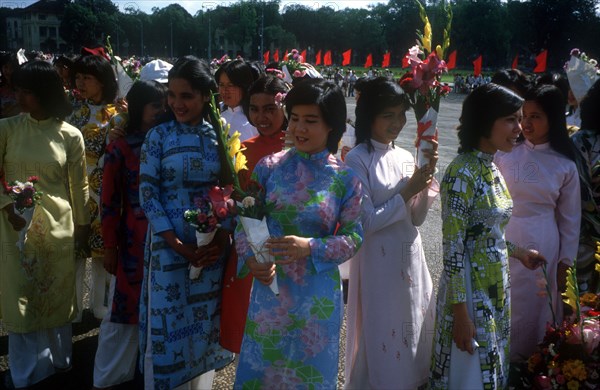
(44,82)
(331,102)
(480,110)
(553,102)
(376,95)
(141,94)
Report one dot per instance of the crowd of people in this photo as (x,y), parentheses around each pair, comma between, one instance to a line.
(118,172)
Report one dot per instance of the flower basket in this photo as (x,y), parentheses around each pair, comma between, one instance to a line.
(257,234)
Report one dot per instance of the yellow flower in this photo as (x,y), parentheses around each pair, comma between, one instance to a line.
(570,296)
(574,369)
(240,162)
(439,52)
(573,385)
(234,145)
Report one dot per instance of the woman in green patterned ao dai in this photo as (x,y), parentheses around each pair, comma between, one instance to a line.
(471,340)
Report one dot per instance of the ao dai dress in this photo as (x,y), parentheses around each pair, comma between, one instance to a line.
(544,186)
(476,207)
(390,313)
(239,122)
(292,340)
(179,317)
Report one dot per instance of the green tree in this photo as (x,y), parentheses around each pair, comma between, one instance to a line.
(88,22)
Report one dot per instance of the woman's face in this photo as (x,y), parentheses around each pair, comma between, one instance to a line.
(265,114)
(28,102)
(535,123)
(504,134)
(388,123)
(152,111)
(308,129)
(89,87)
(230,94)
(186,103)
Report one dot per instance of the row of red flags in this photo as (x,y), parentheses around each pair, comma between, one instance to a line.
(325,60)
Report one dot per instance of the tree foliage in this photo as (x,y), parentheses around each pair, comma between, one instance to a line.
(496,29)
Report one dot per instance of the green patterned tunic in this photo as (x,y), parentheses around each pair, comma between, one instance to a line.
(476,206)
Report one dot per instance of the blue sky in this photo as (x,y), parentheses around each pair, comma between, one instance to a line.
(194,6)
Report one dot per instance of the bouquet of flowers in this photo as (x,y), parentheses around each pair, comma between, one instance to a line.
(124,79)
(582,73)
(422,82)
(293,66)
(206,216)
(251,206)
(132,67)
(569,355)
(25,197)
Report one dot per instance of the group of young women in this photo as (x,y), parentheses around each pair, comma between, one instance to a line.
(123,203)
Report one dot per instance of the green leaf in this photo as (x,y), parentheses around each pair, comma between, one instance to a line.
(322,308)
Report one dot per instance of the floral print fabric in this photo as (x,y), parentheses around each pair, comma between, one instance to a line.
(476,206)
(292,340)
(94,123)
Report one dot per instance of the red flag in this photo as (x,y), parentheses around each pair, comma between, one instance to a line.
(369,61)
(405,61)
(285,56)
(276,56)
(346,57)
(515,62)
(386,60)
(541,62)
(318,58)
(303,54)
(477,66)
(451,64)
(266,57)
(327,58)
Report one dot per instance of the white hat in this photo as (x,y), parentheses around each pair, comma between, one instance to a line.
(157,70)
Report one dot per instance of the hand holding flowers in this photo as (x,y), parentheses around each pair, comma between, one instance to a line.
(25,197)
(206,218)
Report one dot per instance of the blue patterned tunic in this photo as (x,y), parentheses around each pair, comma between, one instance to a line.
(291,340)
(178,163)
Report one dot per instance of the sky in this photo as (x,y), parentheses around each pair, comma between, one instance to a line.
(195,5)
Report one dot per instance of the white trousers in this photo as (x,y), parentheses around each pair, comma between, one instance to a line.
(117,350)
(37,355)
(99,286)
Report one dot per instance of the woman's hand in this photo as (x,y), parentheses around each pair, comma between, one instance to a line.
(530,258)
(264,273)
(431,154)
(17,222)
(116,133)
(110,260)
(288,248)
(463,329)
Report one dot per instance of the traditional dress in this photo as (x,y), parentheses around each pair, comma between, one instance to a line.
(292,340)
(94,123)
(588,165)
(179,317)
(236,291)
(544,186)
(390,310)
(38,286)
(238,122)
(124,227)
(476,207)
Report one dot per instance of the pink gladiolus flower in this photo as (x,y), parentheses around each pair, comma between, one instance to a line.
(543,382)
(299,73)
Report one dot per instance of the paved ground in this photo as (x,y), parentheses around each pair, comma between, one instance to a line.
(85,334)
